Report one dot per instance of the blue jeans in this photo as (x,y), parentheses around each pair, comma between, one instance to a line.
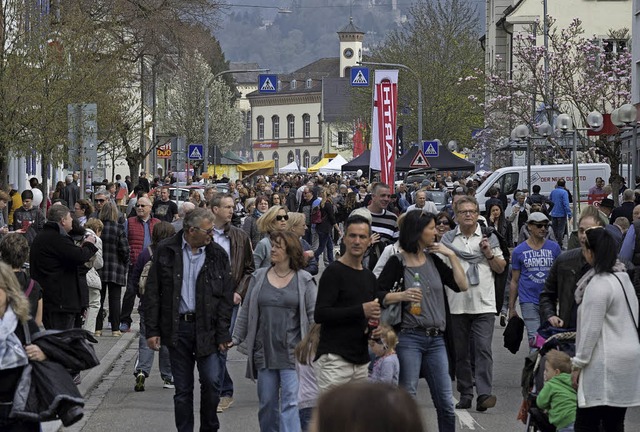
(146,354)
(426,356)
(559,224)
(305,418)
(325,242)
(278,397)
(226,387)
(183,360)
(531,317)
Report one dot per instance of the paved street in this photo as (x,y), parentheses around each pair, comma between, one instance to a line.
(113,405)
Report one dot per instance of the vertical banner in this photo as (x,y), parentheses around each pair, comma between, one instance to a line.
(383,134)
(358,138)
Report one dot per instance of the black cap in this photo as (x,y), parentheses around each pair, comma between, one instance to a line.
(607,202)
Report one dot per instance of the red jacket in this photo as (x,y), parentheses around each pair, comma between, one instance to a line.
(136,235)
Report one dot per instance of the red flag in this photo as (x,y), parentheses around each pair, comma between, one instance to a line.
(383,149)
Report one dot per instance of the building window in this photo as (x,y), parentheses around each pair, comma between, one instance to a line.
(276,160)
(260,121)
(293,84)
(247,119)
(612,47)
(275,126)
(309,83)
(305,159)
(290,157)
(343,139)
(260,157)
(291,126)
(306,125)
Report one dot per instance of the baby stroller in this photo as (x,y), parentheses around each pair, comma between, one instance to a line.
(533,377)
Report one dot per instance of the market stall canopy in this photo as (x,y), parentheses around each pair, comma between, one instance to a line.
(333,167)
(446,161)
(322,162)
(293,167)
(256,168)
(362,162)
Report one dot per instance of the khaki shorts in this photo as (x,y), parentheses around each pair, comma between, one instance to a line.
(332,370)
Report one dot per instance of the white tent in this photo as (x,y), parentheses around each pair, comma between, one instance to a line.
(292,168)
(333,167)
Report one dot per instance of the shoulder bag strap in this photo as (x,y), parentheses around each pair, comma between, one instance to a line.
(628,306)
(27,293)
(27,333)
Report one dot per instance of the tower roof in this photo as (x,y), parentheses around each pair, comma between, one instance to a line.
(350,28)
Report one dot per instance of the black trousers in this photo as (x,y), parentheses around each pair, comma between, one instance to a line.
(600,419)
(114,291)
(53,319)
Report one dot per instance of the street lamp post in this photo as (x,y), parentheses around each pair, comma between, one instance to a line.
(206,114)
(627,115)
(415,75)
(564,125)
(521,133)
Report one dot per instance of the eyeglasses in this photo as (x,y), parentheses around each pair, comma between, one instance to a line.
(282,217)
(442,222)
(467,212)
(540,225)
(207,232)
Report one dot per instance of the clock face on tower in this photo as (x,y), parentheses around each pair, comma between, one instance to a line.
(348,53)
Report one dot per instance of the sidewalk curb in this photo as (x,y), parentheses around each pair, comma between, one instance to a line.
(91,380)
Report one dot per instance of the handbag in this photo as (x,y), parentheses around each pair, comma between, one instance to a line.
(629,306)
(93,279)
(392,314)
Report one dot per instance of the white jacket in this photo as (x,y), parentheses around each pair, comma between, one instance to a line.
(607,346)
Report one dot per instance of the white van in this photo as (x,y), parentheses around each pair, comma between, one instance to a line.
(514,178)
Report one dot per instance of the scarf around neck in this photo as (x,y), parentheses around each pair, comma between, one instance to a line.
(12,353)
(473,258)
(584,280)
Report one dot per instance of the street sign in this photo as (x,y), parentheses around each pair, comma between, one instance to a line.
(267,83)
(360,77)
(431,148)
(195,151)
(164,151)
(419,161)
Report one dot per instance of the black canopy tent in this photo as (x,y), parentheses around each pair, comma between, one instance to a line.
(362,162)
(446,161)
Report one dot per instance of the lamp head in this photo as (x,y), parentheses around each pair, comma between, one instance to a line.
(521,132)
(545,129)
(615,118)
(564,123)
(628,114)
(594,120)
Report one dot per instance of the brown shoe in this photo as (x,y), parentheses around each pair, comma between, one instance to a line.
(225,403)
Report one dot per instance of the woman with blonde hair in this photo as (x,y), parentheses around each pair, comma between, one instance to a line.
(297,225)
(15,354)
(275,219)
(113,274)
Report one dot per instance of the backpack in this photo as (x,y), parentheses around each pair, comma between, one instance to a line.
(316,215)
(144,274)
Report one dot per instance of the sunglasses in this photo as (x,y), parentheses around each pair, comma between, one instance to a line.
(141,205)
(540,225)
(282,217)
(442,222)
(100,200)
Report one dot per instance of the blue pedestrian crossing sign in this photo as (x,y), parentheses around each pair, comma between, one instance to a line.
(359,77)
(431,148)
(196,151)
(267,83)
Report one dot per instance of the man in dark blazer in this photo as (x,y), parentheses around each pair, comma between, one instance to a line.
(54,262)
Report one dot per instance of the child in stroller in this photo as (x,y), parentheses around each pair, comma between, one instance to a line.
(558,397)
(533,381)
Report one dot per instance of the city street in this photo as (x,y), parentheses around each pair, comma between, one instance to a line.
(113,405)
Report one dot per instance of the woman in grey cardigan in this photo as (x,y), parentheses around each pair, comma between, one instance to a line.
(275,315)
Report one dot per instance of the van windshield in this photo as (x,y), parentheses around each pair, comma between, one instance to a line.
(507,183)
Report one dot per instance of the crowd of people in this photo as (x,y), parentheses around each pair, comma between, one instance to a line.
(408,291)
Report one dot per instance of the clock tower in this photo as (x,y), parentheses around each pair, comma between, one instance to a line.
(350,47)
